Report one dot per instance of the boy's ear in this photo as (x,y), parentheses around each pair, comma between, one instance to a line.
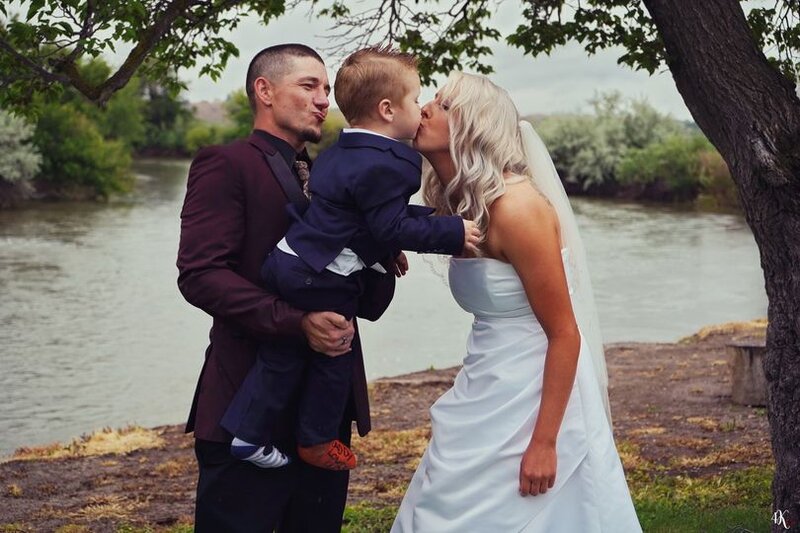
(385,110)
(263,91)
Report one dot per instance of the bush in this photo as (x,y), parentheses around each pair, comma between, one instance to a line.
(588,149)
(666,170)
(202,134)
(19,159)
(75,154)
(717,187)
(237,106)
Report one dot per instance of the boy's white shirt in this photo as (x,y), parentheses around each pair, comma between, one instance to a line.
(347,261)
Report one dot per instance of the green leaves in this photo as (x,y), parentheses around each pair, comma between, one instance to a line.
(35,7)
(40,52)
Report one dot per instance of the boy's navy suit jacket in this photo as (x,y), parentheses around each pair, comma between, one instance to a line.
(360,188)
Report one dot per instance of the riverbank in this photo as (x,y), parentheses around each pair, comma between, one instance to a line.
(679,436)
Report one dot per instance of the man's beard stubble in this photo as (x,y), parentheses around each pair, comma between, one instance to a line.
(311,136)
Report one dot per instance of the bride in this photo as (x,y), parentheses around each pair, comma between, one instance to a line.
(523,440)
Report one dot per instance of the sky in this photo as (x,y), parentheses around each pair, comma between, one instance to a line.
(562,82)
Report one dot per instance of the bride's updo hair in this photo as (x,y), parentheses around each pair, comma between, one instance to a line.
(485,143)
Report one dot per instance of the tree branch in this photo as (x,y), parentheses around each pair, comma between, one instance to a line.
(42,72)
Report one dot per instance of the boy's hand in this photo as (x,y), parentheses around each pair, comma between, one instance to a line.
(400,265)
(472,237)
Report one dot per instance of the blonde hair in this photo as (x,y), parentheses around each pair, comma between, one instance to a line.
(485,142)
(370,75)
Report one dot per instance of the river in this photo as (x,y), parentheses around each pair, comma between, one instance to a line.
(95,333)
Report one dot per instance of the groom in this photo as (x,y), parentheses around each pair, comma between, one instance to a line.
(234,213)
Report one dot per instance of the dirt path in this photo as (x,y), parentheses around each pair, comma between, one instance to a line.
(671,407)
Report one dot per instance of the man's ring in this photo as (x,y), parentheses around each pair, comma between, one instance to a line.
(344,340)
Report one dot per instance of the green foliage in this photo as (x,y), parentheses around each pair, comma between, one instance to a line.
(203,134)
(588,149)
(123,118)
(673,162)
(19,159)
(45,40)
(717,187)
(595,24)
(628,148)
(237,106)
(167,119)
(76,154)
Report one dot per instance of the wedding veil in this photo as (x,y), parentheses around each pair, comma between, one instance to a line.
(546,180)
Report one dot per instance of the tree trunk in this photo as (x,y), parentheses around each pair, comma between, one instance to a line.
(751,113)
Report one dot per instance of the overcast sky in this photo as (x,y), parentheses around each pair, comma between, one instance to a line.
(565,81)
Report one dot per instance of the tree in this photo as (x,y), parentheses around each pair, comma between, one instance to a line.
(42,45)
(167,120)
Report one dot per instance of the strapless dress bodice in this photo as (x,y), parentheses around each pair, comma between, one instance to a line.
(490,288)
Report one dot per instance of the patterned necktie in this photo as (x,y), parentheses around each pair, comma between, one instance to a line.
(301,167)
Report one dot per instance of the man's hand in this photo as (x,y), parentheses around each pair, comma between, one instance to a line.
(400,265)
(328,332)
(472,237)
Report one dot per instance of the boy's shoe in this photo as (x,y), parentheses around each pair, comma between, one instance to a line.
(332,455)
(261,456)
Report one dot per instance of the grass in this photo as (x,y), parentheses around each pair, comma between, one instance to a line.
(756,328)
(734,501)
(102,442)
(177,528)
(363,518)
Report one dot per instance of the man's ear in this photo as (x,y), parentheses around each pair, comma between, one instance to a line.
(263,91)
(385,110)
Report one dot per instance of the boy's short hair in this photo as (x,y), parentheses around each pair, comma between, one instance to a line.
(370,75)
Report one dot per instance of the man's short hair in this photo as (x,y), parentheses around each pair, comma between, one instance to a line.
(370,75)
(273,63)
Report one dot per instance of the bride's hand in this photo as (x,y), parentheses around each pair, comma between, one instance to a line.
(537,471)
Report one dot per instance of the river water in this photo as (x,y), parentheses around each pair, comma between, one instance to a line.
(95,333)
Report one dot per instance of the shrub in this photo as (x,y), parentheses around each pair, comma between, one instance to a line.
(666,170)
(589,149)
(19,159)
(202,134)
(717,186)
(75,154)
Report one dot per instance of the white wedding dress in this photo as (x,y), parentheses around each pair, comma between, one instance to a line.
(468,478)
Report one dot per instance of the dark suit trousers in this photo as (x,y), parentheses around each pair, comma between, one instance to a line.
(236,496)
(285,368)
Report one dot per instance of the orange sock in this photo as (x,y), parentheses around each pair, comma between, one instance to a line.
(331,455)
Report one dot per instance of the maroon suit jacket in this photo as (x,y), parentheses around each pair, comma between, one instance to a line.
(233,214)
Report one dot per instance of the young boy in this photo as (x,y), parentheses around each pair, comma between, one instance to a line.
(358,217)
